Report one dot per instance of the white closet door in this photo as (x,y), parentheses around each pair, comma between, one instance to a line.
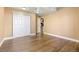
(39,25)
(21,25)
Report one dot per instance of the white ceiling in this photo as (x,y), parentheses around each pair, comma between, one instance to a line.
(41,11)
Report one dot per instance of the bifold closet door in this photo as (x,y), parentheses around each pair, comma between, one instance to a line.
(21,25)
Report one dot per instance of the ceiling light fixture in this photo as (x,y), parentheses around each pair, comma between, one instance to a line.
(24,8)
(37,10)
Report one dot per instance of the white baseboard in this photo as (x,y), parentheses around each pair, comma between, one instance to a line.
(8,38)
(63,37)
(1,41)
(32,34)
(67,38)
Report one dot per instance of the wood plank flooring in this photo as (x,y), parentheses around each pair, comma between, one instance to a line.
(39,44)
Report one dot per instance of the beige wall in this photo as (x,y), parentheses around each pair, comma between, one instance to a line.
(1,21)
(6,21)
(33,23)
(64,22)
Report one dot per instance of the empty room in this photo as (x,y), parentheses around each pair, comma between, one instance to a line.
(39,29)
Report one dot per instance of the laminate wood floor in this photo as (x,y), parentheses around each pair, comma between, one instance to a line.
(39,44)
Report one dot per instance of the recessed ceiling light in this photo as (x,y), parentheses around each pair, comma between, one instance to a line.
(37,11)
(24,8)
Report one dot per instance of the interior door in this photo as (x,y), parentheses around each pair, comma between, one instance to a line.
(21,25)
(38,25)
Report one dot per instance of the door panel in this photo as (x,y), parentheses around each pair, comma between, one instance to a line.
(21,25)
(38,25)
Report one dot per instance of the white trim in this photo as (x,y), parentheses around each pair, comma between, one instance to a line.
(75,40)
(1,42)
(8,38)
(32,34)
